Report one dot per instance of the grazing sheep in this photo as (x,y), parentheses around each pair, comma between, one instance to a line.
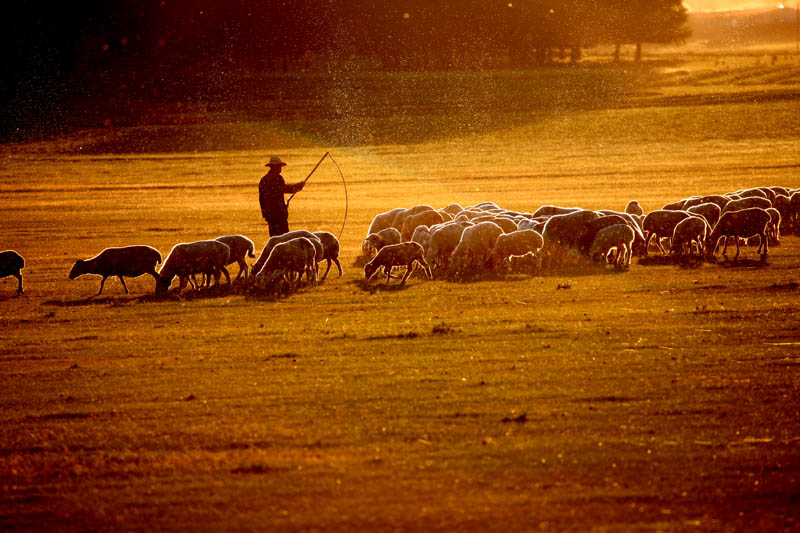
(746,203)
(330,251)
(633,208)
(674,206)
(130,261)
(295,256)
(199,257)
(452,209)
(241,247)
(425,218)
(475,247)
(551,210)
(617,238)
(442,242)
(585,235)
(783,204)
(709,211)
(755,192)
(560,233)
(375,241)
(661,223)
(384,220)
(422,235)
(690,230)
(743,223)
(286,237)
(515,243)
(405,253)
(10,265)
(634,221)
(400,218)
(774,226)
(446,217)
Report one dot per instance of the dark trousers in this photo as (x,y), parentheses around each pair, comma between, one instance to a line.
(278,227)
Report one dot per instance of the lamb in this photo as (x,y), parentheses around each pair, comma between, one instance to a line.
(585,235)
(743,223)
(516,243)
(422,235)
(375,241)
(241,247)
(400,217)
(330,251)
(10,265)
(405,253)
(425,218)
(131,261)
(452,209)
(633,208)
(634,221)
(442,242)
(689,231)
(747,202)
(618,238)
(475,247)
(285,238)
(709,210)
(551,210)
(295,256)
(661,223)
(186,259)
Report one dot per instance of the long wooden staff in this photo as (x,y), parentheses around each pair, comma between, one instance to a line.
(309,175)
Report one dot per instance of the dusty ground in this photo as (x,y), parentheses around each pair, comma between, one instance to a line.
(662,398)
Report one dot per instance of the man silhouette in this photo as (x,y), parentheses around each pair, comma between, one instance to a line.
(271,189)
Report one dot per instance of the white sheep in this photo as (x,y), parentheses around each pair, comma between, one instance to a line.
(560,233)
(618,239)
(10,265)
(422,235)
(199,257)
(330,251)
(392,255)
(130,261)
(296,256)
(742,223)
(475,247)
(442,242)
(746,203)
(375,241)
(516,243)
(661,223)
(425,218)
(689,231)
(241,247)
(383,220)
(708,210)
(286,237)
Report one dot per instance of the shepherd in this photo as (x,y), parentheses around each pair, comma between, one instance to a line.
(271,189)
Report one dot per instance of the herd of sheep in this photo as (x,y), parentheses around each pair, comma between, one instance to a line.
(282,263)
(458,242)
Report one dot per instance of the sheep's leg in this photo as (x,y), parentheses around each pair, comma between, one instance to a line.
(764,255)
(737,249)
(242,270)
(325,275)
(425,267)
(102,282)
(660,246)
(388,270)
(19,288)
(409,269)
(336,261)
(647,237)
(123,283)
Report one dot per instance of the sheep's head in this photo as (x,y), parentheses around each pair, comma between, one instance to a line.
(162,285)
(369,270)
(78,269)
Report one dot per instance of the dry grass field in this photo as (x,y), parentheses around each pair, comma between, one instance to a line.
(664,398)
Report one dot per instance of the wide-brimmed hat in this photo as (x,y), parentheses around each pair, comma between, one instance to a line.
(275,160)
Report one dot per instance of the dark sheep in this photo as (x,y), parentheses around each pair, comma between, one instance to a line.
(10,265)
(130,261)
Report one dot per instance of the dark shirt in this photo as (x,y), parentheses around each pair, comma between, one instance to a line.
(271,189)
